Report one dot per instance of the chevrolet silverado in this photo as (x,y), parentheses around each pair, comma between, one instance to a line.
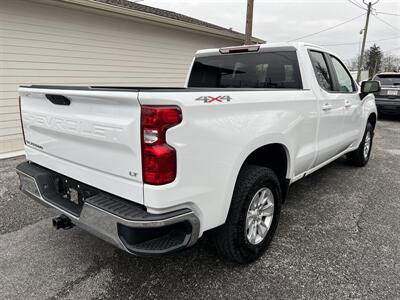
(150,170)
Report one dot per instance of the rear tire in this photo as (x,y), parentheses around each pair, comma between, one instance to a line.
(360,156)
(243,238)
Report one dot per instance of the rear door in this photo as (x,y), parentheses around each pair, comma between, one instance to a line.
(330,132)
(90,135)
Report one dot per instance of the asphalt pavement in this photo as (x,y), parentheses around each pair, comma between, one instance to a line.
(339,237)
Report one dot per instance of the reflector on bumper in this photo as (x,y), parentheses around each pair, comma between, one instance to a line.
(28,184)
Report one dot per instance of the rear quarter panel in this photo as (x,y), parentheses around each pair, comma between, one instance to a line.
(215,138)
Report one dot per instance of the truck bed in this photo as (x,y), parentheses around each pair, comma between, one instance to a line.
(149,89)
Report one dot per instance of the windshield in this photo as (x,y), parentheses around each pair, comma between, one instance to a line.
(392,79)
(249,70)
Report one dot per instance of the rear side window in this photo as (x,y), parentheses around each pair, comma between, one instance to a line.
(321,70)
(250,70)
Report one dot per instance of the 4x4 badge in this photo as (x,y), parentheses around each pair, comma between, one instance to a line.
(209,99)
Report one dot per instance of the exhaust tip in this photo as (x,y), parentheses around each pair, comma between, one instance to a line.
(62,222)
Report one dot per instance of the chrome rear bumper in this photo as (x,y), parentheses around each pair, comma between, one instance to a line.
(118,221)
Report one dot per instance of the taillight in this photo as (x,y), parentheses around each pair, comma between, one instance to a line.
(158,158)
(20,117)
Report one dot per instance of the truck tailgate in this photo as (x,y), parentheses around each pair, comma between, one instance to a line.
(90,135)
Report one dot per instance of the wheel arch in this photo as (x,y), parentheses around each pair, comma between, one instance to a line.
(274,156)
(262,154)
(372,118)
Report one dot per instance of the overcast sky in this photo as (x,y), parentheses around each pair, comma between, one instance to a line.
(284,20)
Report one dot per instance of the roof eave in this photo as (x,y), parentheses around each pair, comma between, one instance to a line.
(159,19)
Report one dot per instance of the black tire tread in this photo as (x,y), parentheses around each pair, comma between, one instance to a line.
(225,238)
(356,157)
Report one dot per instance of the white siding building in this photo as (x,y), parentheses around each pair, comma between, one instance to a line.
(93,42)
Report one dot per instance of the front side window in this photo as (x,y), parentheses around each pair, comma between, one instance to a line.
(345,82)
(321,70)
(249,70)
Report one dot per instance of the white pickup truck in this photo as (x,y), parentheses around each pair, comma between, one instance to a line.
(150,170)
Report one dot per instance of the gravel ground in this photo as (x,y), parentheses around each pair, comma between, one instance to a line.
(339,237)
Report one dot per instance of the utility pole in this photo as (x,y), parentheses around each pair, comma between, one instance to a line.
(249,22)
(360,63)
(375,65)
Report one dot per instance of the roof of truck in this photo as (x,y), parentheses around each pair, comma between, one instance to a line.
(275,46)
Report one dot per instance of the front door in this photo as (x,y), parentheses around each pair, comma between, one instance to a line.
(348,91)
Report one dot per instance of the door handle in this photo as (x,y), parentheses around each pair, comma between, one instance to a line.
(347,104)
(326,107)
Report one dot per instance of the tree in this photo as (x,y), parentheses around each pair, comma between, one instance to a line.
(376,61)
(373,61)
(391,63)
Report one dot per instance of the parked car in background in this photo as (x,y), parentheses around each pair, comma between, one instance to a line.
(388,99)
(151,169)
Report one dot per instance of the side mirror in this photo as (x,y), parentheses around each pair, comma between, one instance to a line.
(370,86)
